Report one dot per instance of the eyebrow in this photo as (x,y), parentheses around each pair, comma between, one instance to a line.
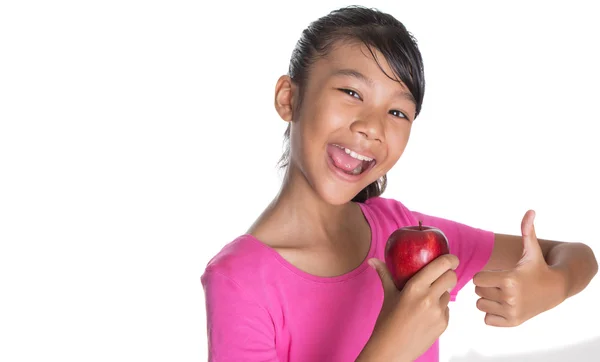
(363,78)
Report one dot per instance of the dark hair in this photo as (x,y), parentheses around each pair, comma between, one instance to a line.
(373,28)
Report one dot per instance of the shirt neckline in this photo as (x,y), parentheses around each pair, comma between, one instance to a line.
(371,221)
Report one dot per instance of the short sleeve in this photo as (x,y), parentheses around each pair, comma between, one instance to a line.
(238,328)
(471,245)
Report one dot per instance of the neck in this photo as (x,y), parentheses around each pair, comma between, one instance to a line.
(297,205)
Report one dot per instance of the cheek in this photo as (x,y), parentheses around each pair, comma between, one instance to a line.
(325,124)
(329,114)
(397,140)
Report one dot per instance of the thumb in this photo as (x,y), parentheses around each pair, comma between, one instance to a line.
(384,274)
(531,245)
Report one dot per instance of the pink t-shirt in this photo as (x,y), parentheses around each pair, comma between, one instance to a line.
(259,307)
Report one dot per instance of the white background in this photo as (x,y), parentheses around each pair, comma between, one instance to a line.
(139,137)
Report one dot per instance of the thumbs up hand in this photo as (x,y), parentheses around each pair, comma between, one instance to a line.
(511,297)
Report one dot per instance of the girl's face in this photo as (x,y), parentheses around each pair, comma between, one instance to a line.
(353,124)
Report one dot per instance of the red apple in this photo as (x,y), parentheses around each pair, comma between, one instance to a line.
(410,248)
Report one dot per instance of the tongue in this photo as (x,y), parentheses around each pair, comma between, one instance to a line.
(341,159)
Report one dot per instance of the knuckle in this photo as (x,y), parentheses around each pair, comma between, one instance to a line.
(410,287)
(426,302)
(448,261)
(510,300)
(509,282)
(445,262)
(512,313)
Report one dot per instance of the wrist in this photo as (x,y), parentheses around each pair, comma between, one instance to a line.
(559,282)
(379,349)
(374,351)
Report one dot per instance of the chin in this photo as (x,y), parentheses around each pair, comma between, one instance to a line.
(335,194)
(336,189)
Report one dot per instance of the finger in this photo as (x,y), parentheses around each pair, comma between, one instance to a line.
(496,321)
(491,293)
(384,274)
(445,299)
(444,283)
(432,271)
(447,315)
(527,228)
(490,306)
(489,279)
(531,245)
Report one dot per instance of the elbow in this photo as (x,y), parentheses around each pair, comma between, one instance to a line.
(593,262)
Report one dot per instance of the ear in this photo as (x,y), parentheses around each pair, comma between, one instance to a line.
(284,97)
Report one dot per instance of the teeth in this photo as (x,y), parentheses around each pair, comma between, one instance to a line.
(356,155)
(357,170)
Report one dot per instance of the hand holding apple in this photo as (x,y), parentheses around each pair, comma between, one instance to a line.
(413,318)
(417,276)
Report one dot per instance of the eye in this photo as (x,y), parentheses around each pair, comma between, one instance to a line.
(351,93)
(398,114)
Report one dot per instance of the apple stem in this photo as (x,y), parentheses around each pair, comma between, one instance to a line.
(420,225)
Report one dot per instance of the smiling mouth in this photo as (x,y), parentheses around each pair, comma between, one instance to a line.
(349,161)
(362,167)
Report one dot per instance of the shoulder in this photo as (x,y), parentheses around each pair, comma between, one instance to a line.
(393,210)
(389,211)
(239,318)
(465,240)
(240,261)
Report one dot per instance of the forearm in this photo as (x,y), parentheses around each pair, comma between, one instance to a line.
(378,349)
(576,263)
(386,343)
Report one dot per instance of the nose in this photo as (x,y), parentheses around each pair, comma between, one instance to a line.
(369,127)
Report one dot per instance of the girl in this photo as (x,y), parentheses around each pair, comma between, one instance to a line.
(306,282)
